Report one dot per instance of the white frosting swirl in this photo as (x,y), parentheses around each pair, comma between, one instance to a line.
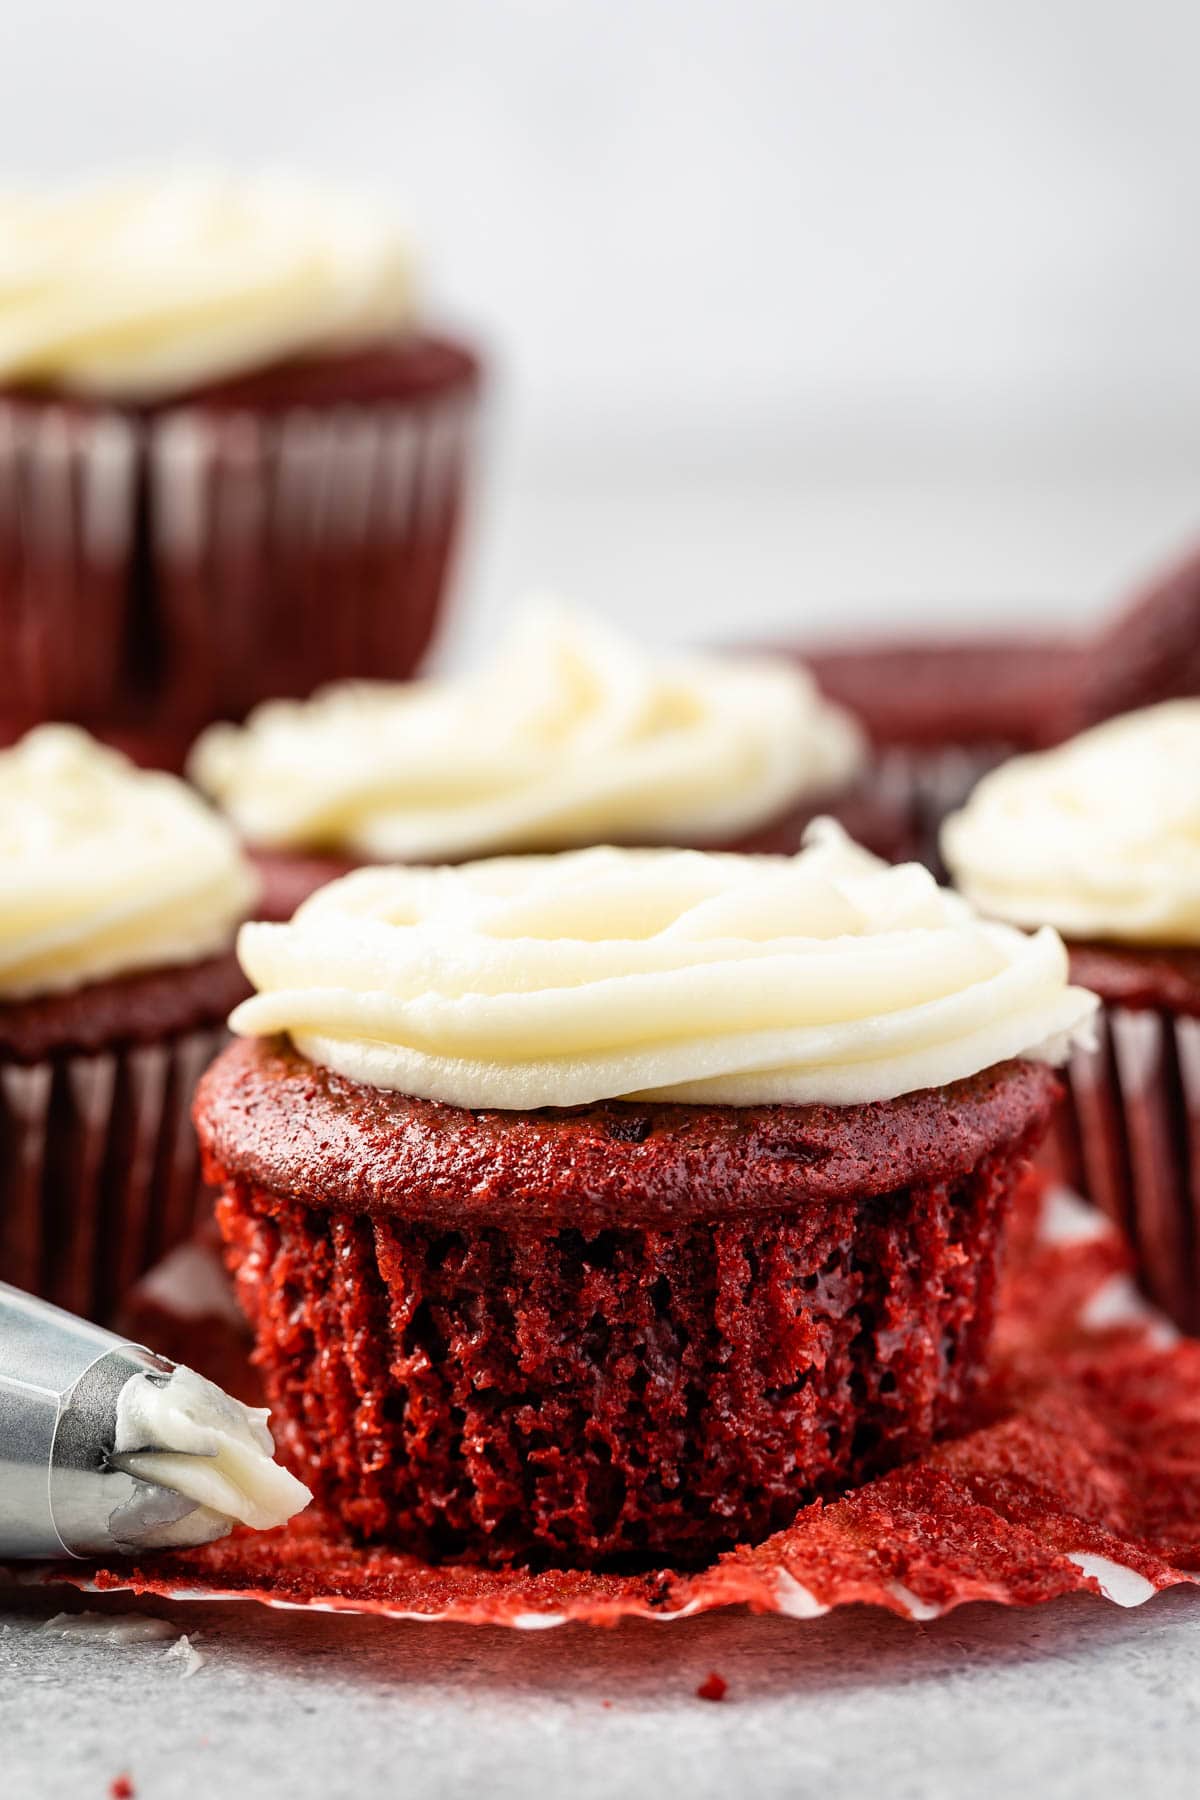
(1099,838)
(106,868)
(660,974)
(575,735)
(146,286)
(188,1435)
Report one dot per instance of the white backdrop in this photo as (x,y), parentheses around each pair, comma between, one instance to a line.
(799,308)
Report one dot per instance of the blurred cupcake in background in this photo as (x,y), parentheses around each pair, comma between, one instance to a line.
(941,711)
(231,454)
(940,714)
(120,897)
(1101,838)
(573,735)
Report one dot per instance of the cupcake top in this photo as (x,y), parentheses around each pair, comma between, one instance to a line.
(657,974)
(574,735)
(106,869)
(1100,837)
(141,287)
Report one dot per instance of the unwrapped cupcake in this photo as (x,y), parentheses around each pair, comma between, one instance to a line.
(231,454)
(572,735)
(1101,839)
(611,1205)
(120,893)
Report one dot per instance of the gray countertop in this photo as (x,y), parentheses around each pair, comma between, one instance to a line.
(1076,1698)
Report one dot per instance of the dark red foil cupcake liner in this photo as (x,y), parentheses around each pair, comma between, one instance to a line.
(589,1398)
(162,570)
(1129,1137)
(99,1167)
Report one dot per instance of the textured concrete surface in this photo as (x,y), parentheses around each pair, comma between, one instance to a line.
(1075,1699)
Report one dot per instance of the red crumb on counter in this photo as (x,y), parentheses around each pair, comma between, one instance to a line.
(121,1788)
(713,1687)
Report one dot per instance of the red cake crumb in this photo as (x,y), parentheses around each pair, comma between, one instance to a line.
(713,1687)
(121,1788)
(614,1334)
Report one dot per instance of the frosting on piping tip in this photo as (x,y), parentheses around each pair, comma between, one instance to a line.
(187,1435)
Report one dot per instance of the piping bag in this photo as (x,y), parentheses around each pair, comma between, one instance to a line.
(109,1450)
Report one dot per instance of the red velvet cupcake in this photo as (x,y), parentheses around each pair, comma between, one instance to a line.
(1101,838)
(940,713)
(573,735)
(230,461)
(610,1206)
(121,894)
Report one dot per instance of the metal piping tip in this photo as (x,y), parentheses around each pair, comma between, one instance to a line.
(60,1494)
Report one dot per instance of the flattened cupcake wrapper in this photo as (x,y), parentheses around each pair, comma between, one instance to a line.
(1129,1137)
(184,567)
(99,1167)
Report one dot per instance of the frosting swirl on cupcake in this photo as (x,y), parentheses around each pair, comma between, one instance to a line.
(657,974)
(148,286)
(106,869)
(1099,838)
(575,735)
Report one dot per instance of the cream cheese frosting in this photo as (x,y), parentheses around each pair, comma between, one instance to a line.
(658,974)
(138,287)
(1099,838)
(574,735)
(105,868)
(189,1436)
